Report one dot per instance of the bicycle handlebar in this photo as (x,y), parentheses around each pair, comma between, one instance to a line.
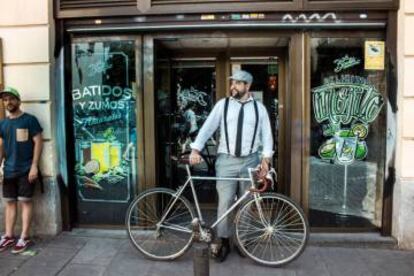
(266,180)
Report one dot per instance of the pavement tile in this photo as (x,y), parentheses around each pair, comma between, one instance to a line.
(82,270)
(9,265)
(98,251)
(125,263)
(181,266)
(103,255)
(388,262)
(128,247)
(66,241)
(7,255)
(47,262)
(310,263)
(344,261)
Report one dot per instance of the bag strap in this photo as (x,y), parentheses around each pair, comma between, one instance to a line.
(256,112)
(226,133)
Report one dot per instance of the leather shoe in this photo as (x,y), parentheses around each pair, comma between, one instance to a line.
(223,252)
(219,252)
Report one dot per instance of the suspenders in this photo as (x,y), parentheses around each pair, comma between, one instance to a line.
(256,112)
(226,107)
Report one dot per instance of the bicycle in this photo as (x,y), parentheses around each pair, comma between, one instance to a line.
(270,228)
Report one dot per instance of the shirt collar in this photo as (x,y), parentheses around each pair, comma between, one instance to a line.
(250,98)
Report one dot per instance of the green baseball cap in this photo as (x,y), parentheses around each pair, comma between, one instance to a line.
(11,91)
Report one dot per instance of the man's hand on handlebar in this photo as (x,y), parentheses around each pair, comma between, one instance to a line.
(265,166)
(195,157)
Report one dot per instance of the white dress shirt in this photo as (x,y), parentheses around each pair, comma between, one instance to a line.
(216,118)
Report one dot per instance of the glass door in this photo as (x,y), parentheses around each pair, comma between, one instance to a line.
(185,91)
(104,97)
(265,89)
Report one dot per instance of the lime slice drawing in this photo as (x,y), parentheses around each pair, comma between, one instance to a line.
(347,150)
(346,133)
(360,130)
(327,150)
(361,151)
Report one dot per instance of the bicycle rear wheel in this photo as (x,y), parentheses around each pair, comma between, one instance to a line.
(271,229)
(160,240)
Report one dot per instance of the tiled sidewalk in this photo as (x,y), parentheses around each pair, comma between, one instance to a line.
(89,252)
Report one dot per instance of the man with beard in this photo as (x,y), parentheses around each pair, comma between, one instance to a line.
(20,147)
(244,126)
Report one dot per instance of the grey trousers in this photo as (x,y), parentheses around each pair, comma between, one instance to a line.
(231,166)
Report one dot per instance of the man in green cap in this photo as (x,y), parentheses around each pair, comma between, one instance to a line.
(20,146)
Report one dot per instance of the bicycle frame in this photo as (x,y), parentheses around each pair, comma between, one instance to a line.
(189,181)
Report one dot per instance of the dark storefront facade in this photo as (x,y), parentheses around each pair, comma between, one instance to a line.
(140,78)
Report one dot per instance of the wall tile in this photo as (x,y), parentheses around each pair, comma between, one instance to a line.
(408,80)
(42,111)
(408,35)
(406,215)
(409,6)
(23,12)
(407,119)
(47,164)
(32,81)
(407,158)
(25,44)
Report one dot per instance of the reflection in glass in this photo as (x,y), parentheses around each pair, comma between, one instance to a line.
(185,97)
(347,136)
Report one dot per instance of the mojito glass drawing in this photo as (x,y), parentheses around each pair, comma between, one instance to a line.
(347,136)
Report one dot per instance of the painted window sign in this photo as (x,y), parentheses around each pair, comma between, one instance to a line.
(347,135)
(103,103)
(345,63)
(345,105)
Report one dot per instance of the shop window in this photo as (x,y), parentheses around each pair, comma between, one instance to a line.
(104,122)
(348,132)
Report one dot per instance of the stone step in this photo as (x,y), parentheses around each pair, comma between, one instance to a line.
(364,240)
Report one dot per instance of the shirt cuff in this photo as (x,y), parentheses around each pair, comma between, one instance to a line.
(268,154)
(196,146)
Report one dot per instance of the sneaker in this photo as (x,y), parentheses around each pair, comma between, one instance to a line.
(21,245)
(6,242)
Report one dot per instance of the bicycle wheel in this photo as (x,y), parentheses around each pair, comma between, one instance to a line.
(272,229)
(160,240)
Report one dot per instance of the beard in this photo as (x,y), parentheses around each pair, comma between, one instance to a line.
(12,108)
(238,94)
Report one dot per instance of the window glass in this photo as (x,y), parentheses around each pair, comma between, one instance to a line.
(347,132)
(104,123)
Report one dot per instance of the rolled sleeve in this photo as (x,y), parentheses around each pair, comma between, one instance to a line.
(267,137)
(209,127)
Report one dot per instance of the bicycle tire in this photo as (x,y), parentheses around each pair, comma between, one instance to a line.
(160,243)
(282,235)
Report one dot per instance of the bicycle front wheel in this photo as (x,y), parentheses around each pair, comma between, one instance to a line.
(271,229)
(159,224)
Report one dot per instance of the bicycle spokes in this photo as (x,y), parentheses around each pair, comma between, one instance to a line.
(159,229)
(271,230)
